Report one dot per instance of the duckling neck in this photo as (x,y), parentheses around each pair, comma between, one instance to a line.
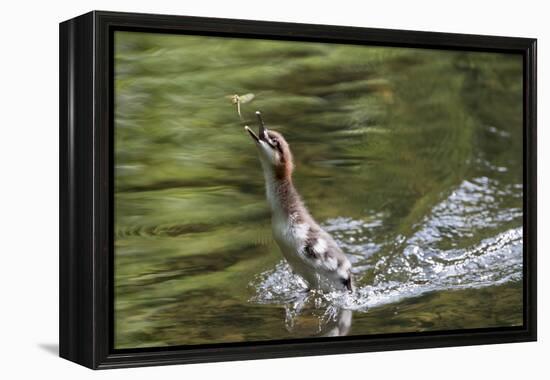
(282,196)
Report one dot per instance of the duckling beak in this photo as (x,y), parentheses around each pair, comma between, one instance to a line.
(252,134)
(262,131)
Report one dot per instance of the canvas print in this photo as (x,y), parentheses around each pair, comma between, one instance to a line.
(273,190)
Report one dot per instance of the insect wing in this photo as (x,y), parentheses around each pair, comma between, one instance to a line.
(246,98)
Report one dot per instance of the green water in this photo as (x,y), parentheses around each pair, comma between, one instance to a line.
(410,158)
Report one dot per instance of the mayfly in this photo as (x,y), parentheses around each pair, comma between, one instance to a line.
(241,99)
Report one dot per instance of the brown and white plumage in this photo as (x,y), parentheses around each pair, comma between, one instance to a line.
(311,252)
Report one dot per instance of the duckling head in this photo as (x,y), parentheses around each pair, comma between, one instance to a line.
(274,151)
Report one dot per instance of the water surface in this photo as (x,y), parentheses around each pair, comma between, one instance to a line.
(410,158)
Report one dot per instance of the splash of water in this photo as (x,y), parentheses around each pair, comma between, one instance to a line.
(411,266)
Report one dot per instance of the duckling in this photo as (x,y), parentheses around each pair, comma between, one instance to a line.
(311,252)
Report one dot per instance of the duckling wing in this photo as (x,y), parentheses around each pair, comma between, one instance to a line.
(322,252)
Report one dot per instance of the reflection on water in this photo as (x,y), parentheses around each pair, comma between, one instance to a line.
(317,315)
(411,159)
(310,313)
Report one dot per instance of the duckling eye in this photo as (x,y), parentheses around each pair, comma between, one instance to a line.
(277,145)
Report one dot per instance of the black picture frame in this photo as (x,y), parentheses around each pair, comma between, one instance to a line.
(86,189)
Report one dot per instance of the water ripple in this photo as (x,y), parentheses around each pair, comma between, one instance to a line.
(411,266)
